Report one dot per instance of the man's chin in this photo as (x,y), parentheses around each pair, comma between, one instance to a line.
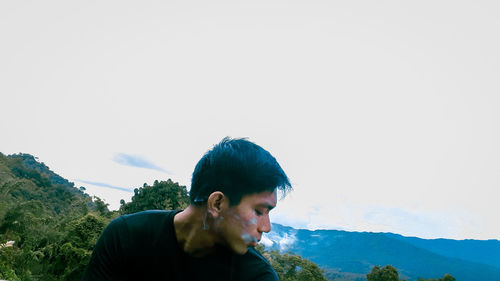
(241,251)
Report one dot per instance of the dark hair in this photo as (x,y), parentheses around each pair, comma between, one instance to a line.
(236,167)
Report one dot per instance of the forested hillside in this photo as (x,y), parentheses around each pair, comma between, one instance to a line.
(48,227)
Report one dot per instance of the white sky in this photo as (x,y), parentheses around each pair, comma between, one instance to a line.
(384,114)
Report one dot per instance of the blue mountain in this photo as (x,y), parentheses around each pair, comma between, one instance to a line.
(351,255)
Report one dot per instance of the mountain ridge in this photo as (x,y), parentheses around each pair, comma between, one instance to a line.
(358,252)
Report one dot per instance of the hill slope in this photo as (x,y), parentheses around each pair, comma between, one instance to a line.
(486,252)
(357,253)
(52,224)
(23,179)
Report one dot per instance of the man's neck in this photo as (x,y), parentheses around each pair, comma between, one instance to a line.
(192,234)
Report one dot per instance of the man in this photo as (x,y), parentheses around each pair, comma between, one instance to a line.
(233,189)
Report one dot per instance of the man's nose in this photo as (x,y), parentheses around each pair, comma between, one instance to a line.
(264,224)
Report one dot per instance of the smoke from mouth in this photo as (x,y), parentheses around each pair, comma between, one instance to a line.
(248,238)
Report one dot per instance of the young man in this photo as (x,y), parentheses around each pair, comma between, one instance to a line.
(233,189)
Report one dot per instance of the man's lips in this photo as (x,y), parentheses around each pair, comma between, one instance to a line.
(254,241)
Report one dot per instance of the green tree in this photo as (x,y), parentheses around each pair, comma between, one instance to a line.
(68,258)
(164,195)
(447,277)
(8,257)
(102,207)
(291,267)
(386,273)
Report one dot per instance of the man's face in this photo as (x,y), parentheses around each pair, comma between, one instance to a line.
(242,225)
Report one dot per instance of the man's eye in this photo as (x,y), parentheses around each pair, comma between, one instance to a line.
(259,213)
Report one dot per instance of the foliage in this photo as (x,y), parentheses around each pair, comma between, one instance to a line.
(7,263)
(386,273)
(54,225)
(101,207)
(164,195)
(390,273)
(28,164)
(291,267)
(68,258)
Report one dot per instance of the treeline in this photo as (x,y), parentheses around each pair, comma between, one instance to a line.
(390,273)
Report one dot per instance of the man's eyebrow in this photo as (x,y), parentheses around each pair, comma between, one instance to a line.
(265,205)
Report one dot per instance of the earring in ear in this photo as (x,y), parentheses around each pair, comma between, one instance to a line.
(204,223)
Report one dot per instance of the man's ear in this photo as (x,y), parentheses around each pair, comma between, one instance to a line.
(216,203)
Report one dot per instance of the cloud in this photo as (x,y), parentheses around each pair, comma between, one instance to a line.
(268,243)
(282,239)
(137,161)
(101,184)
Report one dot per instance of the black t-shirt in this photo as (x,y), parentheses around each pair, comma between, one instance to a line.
(143,246)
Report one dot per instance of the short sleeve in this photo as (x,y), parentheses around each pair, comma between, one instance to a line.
(107,261)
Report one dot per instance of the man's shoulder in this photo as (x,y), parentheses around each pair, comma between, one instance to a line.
(144,218)
(149,214)
(132,228)
(134,246)
(256,256)
(254,266)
